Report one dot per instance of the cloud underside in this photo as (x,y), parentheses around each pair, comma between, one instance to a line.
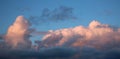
(96,41)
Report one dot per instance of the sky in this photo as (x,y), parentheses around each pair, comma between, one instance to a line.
(84,11)
(59,29)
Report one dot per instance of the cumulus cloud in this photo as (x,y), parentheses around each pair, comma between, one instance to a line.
(96,41)
(18,34)
(96,35)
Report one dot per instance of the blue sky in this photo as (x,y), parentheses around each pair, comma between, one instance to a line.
(105,11)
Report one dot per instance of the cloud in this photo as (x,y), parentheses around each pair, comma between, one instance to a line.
(1,37)
(96,35)
(112,54)
(39,32)
(60,53)
(57,14)
(96,41)
(60,13)
(18,34)
(55,52)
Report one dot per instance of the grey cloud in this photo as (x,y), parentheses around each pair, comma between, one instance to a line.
(57,14)
(61,53)
(112,54)
(60,13)
(45,53)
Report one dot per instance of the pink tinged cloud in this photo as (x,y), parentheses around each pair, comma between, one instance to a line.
(96,35)
(97,41)
(18,34)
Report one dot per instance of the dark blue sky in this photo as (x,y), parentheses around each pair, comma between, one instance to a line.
(105,11)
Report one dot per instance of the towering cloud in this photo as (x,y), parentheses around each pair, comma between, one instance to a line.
(18,34)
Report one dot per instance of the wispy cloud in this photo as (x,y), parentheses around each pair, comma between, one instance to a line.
(60,13)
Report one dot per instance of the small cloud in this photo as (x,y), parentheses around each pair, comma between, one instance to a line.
(58,14)
(61,13)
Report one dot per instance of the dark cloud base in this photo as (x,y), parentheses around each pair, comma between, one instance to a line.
(61,53)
